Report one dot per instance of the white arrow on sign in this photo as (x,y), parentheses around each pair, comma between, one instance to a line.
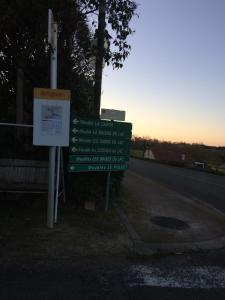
(74,140)
(74,149)
(75,130)
(75,121)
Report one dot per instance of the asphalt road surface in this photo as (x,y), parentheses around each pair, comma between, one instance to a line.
(194,184)
(195,277)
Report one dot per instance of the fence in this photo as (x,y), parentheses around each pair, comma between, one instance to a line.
(23,167)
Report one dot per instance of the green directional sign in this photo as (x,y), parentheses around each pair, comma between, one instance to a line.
(97,145)
(97,159)
(99,150)
(92,124)
(96,167)
(120,133)
(109,142)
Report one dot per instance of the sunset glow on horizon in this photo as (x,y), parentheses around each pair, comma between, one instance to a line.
(172,86)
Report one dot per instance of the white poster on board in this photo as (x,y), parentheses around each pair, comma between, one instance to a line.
(51,118)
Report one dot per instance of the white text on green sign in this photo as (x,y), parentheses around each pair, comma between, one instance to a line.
(97,167)
(95,123)
(100,133)
(97,159)
(99,141)
(99,150)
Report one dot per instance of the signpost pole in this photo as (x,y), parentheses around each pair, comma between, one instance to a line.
(58,160)
(62,174)
(107,191)
(52,37)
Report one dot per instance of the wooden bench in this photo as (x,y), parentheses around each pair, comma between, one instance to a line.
(18,175)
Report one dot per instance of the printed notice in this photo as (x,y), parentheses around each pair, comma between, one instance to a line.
(51,119)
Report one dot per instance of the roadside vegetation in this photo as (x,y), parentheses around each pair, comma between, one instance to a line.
(198,156)
(25,64)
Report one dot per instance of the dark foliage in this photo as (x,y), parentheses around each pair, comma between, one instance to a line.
(23,45)
(118,16)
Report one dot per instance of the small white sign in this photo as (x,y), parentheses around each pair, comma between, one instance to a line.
(112,114)
(51,117)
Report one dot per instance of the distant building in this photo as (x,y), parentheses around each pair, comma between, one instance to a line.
(167,153)
(149,154)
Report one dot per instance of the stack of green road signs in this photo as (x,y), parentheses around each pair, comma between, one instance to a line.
(97,145)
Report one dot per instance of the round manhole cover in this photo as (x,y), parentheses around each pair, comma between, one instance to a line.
(171,223)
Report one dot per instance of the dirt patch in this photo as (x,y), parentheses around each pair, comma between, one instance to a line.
(25,237)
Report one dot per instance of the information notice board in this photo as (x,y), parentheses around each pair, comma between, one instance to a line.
(51,117)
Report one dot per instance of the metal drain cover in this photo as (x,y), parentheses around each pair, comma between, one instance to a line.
(171,223)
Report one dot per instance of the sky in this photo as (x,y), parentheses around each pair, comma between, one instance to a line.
(172,85)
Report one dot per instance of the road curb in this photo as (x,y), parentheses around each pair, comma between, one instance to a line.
(141,248)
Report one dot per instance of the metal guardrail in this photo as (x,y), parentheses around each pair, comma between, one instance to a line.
(16,125)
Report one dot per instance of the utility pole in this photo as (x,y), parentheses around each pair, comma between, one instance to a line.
(99,57)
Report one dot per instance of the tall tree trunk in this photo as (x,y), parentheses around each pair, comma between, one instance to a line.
(19,101)
(99,57)
(19,96)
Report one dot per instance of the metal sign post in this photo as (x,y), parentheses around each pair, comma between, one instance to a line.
(52,39)
(107,191)
(58,162)
(51,115)
(51,128)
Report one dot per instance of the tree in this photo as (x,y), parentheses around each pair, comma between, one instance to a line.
(23,44)
(118,16)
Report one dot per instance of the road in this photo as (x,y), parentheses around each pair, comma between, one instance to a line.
(197,277)
(194,184)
